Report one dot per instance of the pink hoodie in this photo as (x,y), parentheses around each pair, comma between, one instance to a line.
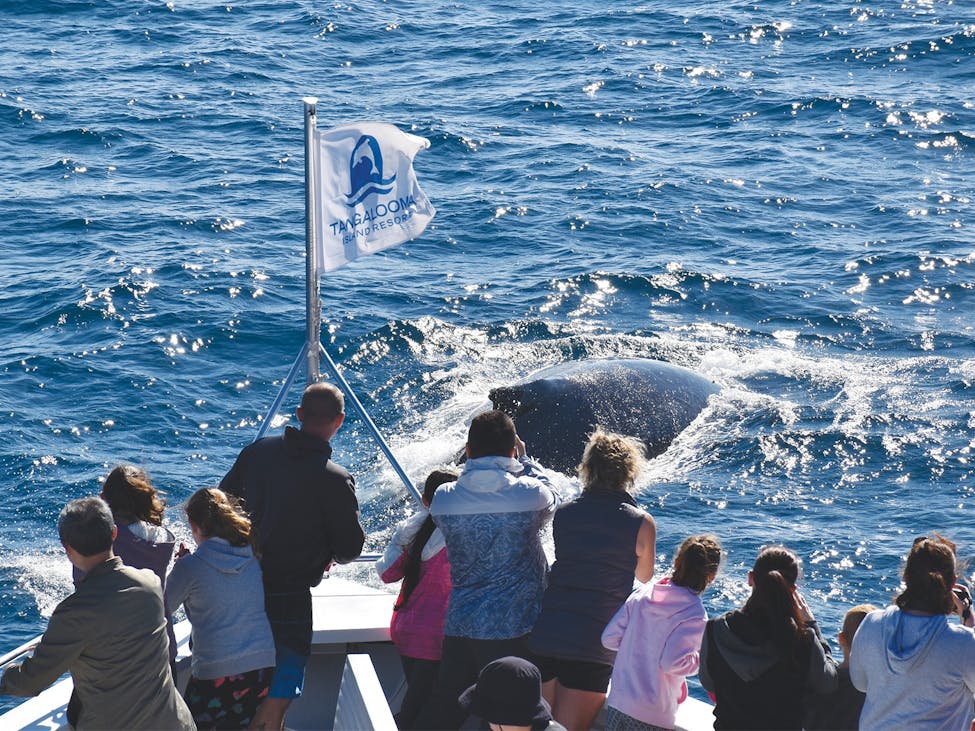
(417,628)
(657,635)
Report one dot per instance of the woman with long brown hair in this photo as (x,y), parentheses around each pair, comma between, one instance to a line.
(143,542)
(760,661)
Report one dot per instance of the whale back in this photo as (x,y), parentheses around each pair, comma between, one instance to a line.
(557,410)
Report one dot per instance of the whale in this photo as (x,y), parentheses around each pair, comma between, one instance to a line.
(559,407)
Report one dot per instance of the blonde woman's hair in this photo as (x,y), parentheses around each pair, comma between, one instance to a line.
(611,461)
(219,515)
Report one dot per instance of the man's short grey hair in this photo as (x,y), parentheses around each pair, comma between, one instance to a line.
(86,525)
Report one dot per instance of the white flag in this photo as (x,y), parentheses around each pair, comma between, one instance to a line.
(369,199)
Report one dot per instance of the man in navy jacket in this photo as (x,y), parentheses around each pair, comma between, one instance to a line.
(305,517)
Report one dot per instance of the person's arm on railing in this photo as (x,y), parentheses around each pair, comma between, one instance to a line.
(64,640)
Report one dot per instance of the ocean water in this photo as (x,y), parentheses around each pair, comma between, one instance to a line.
(777,195)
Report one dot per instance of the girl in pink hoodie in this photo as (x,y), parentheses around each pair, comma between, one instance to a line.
(417,554)
(657,635)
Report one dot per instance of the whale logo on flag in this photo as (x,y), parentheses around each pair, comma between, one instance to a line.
(368,198)
(366,171)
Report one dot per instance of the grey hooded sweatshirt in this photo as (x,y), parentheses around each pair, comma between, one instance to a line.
(918,672)
(220,586)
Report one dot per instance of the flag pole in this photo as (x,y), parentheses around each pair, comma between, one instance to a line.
(314,350)
(313,307)
(309,351)
(285,387)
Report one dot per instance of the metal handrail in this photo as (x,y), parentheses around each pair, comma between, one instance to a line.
(20,651)
(30,645)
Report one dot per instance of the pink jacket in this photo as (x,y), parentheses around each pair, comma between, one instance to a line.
(657,635)
(417,628)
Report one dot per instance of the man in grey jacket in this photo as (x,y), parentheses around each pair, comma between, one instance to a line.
(110,634)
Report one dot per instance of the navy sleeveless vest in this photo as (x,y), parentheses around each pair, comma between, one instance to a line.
(595,557)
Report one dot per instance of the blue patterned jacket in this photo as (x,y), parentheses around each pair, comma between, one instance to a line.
(491,520)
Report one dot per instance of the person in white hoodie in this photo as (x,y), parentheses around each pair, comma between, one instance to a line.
(657,635)
(221,589)
(491,519)
(916,667)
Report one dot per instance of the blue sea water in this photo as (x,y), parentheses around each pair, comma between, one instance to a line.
(777,195)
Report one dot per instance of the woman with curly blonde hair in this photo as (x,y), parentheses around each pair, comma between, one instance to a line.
(221,589)
(602,541)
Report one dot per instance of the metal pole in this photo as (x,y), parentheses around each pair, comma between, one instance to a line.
(285,387)
(20,651)
(369,424)
(313,307)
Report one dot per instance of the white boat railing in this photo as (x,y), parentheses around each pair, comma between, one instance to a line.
(29,646)
(361,702)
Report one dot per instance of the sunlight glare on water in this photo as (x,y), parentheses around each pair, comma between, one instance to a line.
(777,196)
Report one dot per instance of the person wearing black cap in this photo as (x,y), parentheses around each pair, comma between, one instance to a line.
(508,695)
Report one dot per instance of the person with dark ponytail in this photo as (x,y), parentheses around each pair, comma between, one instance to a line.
(220,587)
(759,662)
(417,554)
(916,667)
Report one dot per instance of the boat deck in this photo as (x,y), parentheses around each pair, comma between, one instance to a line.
(350,619)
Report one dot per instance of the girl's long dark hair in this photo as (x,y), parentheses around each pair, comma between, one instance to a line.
(414,551)
(774,577)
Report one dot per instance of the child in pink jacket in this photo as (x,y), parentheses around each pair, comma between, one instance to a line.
(657,635)
(417,554)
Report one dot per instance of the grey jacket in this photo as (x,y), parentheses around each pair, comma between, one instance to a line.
(111,635)
(220,586)
(918,671)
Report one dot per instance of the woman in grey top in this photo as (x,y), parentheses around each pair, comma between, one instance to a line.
(220,586)
(602,541)
(917,667)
